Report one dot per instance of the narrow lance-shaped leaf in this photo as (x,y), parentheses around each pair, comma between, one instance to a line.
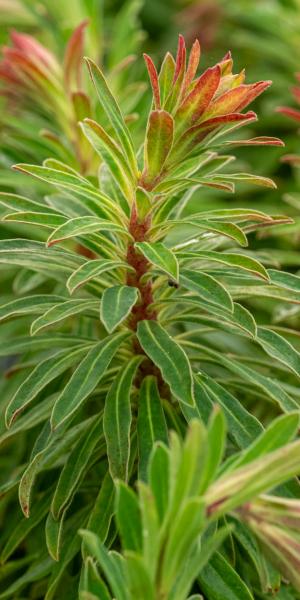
(29,305)
(75,467)
(113,112)
(198,99)
(151,424)
(207,287)
(169,357)
(239,261)
(44,373)
(73,57)
(161,257)
(85,378)
(116,304)
(91,270)
(128,517)
(80,226)
(158,144)
(107,148)
(62,311)
(154,80)
(117,420)
(276,346)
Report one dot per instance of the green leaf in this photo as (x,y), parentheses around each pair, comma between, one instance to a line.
(243,428)
(112,572)
(38,570)
(285,280)
(23,527)
(30,304)
(50,221)
(169,357)
(43,373)
(227,229)
(239,261)
(128,517)
(189,523)
(91,270)
(82,226)
(277,347)
(207,287)
(280,432)
(158,476)
(140,583)
(158,143)
(246,178)
(261,475)
(114,114)
(92,587)
(53,533)
(75,468)
(85,378)
(116,304)
(219,581)
(111,153)
(62,311)
(216,441)
(150,528)
(117,420)
(103,509)
(151,424)
(161,257)
(22,204)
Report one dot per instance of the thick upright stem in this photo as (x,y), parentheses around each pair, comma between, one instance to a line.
(139,231)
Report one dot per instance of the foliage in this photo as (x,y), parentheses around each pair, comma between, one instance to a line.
(131,314)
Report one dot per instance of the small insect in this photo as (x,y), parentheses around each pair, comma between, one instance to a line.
(172,283)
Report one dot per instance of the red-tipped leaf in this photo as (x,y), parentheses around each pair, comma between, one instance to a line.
(153,79)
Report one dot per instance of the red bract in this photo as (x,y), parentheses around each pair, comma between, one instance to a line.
(199,107)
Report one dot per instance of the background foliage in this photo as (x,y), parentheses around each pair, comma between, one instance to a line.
(198,333)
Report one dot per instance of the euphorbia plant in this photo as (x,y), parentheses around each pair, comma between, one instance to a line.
(153,335)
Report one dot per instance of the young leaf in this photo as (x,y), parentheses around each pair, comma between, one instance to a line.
(128,517)
(161,257)
(151,423)
(85,378)
(169,358)
(159,139)
(113,112)
(112,573)
(116,304)
(117,420)
(110,152)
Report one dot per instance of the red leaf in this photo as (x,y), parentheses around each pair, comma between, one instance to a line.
(289,112)
(192,65)
(257,141)
(237,98)
(73,57)
(154,80)
(199,98)
(193,136)
(180,58)
(30,47)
